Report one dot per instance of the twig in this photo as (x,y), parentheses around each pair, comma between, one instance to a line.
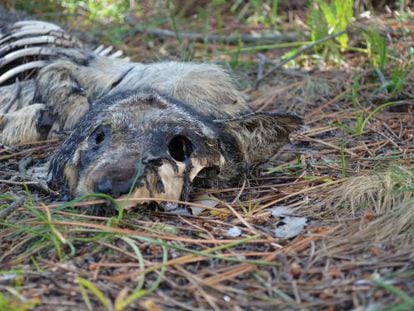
(261,61)
(213,38)
(299,52)
(31,181)
(23,163)
(325,143)
(242,220)
(12,207)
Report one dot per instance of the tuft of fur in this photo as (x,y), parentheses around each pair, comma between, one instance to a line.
(261,132)
(21,126)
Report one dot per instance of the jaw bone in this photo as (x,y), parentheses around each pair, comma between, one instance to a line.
(173,180)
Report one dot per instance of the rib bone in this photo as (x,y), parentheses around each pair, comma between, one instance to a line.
(36,40)
(19,69)
(106,51)
(33,23)
(117,54)
(33,32)
(32,51)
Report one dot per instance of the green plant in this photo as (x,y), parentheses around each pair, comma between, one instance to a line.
(103,10)
(103,196)
(255,12)
(362,119)
(218,7)
(407,302)
(397,81)
(250,208)
(46,7)
(265,12)
(359,112)
(379,56)
(326,19)
(343,160)
(376,48)
(8,303)
(46,234)
(123,300)
(87,286)
(403,177)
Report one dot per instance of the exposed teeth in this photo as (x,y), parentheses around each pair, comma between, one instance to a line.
(19,69)
(33,51)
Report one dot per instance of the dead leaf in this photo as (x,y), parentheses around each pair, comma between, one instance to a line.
(207,200)
(289,226)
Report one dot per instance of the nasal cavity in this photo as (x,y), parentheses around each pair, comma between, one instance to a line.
(104,186)
(180,148)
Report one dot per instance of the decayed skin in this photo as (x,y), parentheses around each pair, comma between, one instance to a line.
(131,136)
(146,130)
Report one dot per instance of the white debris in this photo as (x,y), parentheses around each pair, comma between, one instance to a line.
(234,232)
(366,15)
(289,226)
(292,226)
(169,206)
(280,210)
(7,277)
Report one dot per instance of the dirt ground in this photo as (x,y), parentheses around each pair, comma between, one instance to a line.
(348,172)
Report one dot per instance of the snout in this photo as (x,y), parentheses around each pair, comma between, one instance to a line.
(119,176)
(112,174)
(116,178)
(160,180)
(130,178)
(114,187)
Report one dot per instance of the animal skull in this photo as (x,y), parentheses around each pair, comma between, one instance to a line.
(138,145)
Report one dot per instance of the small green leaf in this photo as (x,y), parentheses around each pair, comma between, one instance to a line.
(85,284)
(376,48)
(329,14)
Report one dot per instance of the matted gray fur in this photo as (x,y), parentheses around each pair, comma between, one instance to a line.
(146,130)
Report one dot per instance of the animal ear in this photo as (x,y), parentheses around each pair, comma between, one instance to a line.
(282,123)
(260,135)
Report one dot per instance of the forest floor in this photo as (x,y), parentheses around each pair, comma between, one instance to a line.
(346,181)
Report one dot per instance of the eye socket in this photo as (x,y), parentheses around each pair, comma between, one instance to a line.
(100,135)
(180,148)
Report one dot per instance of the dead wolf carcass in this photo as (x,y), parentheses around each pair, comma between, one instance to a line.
(146,130)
